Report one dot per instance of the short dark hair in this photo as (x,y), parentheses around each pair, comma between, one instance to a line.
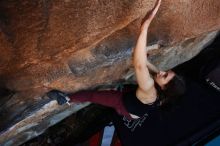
(172,92)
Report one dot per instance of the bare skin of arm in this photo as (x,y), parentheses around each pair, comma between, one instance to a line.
(152,68)
(146,91)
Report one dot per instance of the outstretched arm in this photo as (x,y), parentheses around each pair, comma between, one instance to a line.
(144,79)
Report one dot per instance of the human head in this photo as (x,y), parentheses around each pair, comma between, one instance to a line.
(171,85)
(162,78)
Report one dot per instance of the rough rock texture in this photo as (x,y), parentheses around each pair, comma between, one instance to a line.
(42,38)
(71,45)
(37,122)
(75,129)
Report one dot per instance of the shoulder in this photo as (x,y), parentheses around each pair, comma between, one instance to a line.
(147,86)
(146,96)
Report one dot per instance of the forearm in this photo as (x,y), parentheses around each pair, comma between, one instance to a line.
(140,58)
(139,53)
(140,62)
(152,68)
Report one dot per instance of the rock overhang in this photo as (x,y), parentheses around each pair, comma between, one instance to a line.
(71,45)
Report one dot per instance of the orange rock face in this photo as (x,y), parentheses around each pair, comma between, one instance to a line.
(70,44)
(77,44)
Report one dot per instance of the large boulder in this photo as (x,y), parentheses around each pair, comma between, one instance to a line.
(72,45)
(47,41)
